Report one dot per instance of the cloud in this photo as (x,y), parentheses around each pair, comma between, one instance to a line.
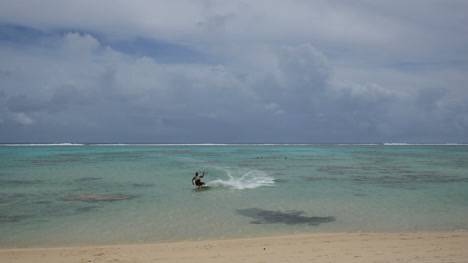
(24,119)
(202,71)
(93,85)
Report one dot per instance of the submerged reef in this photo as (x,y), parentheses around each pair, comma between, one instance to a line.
(291,217)
(85,179)
(12,219)
(98,197)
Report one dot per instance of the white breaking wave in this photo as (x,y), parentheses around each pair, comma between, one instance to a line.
(422,144)
(242,179)
(42,144)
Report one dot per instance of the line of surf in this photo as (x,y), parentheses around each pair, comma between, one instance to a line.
(41,144)
(227,144)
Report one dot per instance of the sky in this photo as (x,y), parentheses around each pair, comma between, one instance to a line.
(260,71)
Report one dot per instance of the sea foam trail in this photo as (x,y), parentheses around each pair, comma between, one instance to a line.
(241,179)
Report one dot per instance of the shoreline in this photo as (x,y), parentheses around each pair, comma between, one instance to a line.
(319,247)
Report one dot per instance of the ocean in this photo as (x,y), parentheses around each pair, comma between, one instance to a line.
(73,194)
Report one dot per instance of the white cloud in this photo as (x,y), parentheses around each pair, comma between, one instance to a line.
(367,71)
(23,118)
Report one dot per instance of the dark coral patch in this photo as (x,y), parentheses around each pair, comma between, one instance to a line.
(98,197)
(291,217)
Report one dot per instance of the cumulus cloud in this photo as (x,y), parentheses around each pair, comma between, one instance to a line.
(300,71)
(23,118)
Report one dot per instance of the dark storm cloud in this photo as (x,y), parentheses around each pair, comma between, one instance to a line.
(21,103)
(61,98)
(203,71)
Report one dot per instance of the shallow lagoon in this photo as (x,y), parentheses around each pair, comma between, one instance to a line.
(103,194)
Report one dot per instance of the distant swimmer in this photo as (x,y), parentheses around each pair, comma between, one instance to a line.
(197,180)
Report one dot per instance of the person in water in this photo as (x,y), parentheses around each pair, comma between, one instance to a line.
(197,180)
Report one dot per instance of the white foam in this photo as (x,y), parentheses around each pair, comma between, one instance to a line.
(395,143)
(43,144)
(242,179)
(422,144)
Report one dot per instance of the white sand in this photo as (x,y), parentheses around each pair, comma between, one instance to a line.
(336,247)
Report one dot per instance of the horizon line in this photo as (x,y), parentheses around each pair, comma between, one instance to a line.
(231,144)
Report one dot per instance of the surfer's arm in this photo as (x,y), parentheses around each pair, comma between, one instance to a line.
(192,180)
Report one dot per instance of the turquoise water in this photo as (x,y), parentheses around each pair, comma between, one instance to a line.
(108,194)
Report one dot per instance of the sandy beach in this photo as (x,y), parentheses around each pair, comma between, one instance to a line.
(335,247)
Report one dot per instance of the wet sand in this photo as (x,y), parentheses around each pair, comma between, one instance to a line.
(335,247)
